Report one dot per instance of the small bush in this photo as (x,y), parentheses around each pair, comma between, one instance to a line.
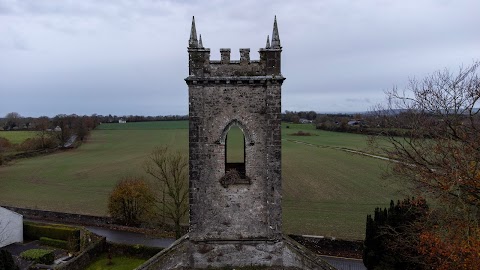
(38,255)
(131,201)
(302,133)
(54,242)
(32,144)
(5,143)
(6,261)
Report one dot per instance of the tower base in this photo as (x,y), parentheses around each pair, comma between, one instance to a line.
(262,254)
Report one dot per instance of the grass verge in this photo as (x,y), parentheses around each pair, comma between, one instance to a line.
(116,263)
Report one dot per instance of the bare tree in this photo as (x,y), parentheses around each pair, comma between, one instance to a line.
(442,142)
(65,123)
(440,152)
(170,171)
(42,125)
(13,120)
(4,145)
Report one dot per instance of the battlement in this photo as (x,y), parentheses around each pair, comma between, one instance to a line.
(201,67)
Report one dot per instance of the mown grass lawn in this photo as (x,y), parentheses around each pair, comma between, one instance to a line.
(117,263)
(326,191)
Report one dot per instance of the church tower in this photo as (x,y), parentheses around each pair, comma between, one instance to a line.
(235,205)
(241,200)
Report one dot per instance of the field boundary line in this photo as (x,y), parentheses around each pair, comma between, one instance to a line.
(343,258)
(345,150)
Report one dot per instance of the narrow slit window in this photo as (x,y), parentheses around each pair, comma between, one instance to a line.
(235,151)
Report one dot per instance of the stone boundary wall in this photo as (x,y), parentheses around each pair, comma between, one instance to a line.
(87,220)
(76,219)
(87,256)
(137,251)
(331,246)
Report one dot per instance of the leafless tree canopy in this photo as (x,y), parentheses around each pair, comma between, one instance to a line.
(441,152)
(170,171)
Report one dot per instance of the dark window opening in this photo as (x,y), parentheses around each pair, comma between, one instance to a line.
(235,151)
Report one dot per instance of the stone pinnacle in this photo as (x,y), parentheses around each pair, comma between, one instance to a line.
(275,36)
(193,42)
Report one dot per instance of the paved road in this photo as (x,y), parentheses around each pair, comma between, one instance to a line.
(344,263)
(130,238)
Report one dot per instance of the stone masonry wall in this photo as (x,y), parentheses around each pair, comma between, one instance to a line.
(240,211)
(200,64)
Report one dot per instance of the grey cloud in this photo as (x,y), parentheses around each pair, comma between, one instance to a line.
(356,100)
(129,57)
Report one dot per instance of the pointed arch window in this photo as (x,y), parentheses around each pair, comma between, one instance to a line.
(235,150)
(235,139)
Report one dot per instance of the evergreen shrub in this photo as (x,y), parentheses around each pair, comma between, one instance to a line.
(6,261)
(392,234)
(34,231)
(63,244)
(43,256)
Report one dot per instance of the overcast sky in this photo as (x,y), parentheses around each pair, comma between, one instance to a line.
(130,57)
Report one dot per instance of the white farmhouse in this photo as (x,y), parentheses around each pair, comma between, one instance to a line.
(11,227)
(121,121)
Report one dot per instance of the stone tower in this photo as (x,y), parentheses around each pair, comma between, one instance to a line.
(230,93)
(235,207)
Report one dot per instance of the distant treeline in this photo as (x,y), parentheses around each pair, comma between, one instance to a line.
(391,123)
(49,134)
(14,121)
(140,118)
(296,117)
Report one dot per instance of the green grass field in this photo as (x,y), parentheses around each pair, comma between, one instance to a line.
(117,263)
(235,145)
(145,125)
(326,191)
(17,136)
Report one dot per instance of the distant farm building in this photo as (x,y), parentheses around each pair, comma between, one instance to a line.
(121,121)
(305,121)
(11,227)
(354,123)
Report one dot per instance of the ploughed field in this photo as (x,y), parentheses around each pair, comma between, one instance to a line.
(326,191)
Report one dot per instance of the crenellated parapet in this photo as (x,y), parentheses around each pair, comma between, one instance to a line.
(202,68)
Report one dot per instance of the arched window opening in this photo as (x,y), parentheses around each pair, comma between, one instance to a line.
(235,151)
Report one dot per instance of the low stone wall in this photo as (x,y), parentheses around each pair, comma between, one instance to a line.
(66,218)
(87,220)
(138,251)
(331,247)
(86,257)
